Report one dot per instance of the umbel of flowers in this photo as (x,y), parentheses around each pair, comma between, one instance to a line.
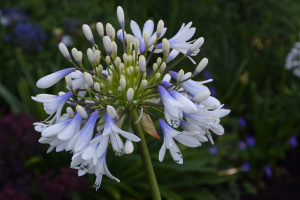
(114,89)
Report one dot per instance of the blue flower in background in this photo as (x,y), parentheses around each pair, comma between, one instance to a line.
(293,141)
(242,145)
(213,150)
(28,36)
(13,16)
(242,122)
(213,91)
(246,166)
(268,171)
(251,141)
(73,25)
(207,75)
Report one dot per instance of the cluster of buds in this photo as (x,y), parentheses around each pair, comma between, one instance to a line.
(104,95)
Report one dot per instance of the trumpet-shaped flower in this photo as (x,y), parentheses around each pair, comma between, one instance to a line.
(169,143)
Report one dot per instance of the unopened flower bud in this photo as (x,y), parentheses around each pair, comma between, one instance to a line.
(88,33)
(113,34)
(137,69)
(110,92)
(97,87)
(142,64)
(122,76)
(109,30)
(165,45)
(97,56)
(77,56)
(167,78)
(81,111)
(129,59)
(200,66)
(128,71)
(128,39)
(160,27)
(115,48)
(112,112)
(144,83)
(154,67)
(158,61)
(152,41)
(99,70)
(128,149)
(120,35)
(157,76)
(130,93)
(117,62)
(123,83)
(63,49)
(195,46)
(188,75)
(107,59)
(107,45)
(122,67)
(68,81)
(136,45)
(146,38)
(100,30)
(201,96)
(163,67)
(70,112)
(145,75)
(102,85)
(180,75)
(131,69)
(125,58)
(121,18)
(87,87)
(88,79)
(109,78)
(90,55)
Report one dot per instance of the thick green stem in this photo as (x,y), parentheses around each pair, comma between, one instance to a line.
(143,149)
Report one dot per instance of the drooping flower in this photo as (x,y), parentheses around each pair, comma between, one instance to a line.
(169,143)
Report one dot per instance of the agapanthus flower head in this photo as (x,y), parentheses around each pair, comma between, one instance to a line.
(29,36)
(246,166)
(100,100)
(292,61)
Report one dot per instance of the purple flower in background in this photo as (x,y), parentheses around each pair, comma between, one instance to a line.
(213,91)
(251,141)
(207,75)
(242,122)
(213,150)
(73,25)
(242,145)
(28,36)
(268,171)
(13,16)
(293,141)
(246,166)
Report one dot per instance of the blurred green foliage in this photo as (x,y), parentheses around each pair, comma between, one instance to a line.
(246,43)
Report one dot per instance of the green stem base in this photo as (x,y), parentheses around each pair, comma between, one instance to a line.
(143,149)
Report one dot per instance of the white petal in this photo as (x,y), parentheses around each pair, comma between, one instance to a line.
(136,30)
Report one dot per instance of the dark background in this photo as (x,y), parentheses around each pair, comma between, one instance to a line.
(246,42)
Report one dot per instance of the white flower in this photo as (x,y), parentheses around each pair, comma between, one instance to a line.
(53,78)
(107,45)
(86,133)
(148,28)
(172,107)
(169,143)
(53,104)
(194,88)
(112,131)
(200,66)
